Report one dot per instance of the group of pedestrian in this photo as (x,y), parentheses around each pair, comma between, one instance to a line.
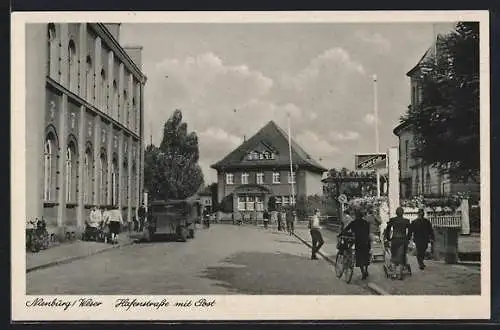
(109,221)
(288,216)
(400,231)
(365,228)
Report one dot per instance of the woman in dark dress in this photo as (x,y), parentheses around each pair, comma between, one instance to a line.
(361,230)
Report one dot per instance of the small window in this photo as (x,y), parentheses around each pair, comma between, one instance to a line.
(244,178)
(291,177)
(229,178)
(276,177)
(259,203)
(241,203)
(260,178)
(285,200)
(250,203)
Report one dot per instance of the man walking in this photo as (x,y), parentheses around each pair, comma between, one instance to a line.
(266,219)
(141,213)
(316,237)
(422,232)
(397,232)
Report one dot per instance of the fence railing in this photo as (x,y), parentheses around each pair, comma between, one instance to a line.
(446,221)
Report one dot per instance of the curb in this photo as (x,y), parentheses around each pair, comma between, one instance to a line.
(74,258)
(376,289)
(370,285)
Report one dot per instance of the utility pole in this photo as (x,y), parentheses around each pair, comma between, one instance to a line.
(377,146)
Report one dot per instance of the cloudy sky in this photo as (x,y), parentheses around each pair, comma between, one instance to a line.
(231,79)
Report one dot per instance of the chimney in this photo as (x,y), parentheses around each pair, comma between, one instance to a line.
(135,53)
(114,29)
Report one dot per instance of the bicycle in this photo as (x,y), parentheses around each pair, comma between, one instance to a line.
(345,260)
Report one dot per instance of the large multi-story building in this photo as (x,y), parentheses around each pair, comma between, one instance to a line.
(85,121)
(260,168)
(416,177)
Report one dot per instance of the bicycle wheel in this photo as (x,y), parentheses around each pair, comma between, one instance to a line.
(349,269)
(339,265)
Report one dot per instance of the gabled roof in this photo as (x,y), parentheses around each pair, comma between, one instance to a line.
(271,135)
(429,53)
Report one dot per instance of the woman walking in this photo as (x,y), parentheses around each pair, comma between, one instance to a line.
(115,223)
(361,230)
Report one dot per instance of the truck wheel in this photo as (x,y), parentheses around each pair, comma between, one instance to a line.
(183,234)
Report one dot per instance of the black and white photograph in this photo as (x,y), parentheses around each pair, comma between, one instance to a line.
(239,156)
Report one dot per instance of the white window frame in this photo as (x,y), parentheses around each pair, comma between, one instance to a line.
(241,203)
(53,52)
(292,200)
(229,178)
(72,67)
(276,177)
(285,200)
(103,93)
(260,178)
(87,178)
(89,80)
(291,177)
(278,201)
(244,177)
(250,203)
(259,203)
(69,174)
(103,187)
(47,183)
(114,183)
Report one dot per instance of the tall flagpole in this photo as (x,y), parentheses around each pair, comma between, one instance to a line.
(291,165)
(377,146)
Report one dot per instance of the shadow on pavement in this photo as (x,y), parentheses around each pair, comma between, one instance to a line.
(160,238)
(269,273)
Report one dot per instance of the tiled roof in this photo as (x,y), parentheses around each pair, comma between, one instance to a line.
(429,53)
(272,136)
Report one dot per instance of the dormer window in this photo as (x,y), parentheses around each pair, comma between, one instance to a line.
(265,155)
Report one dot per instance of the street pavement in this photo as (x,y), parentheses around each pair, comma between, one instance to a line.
(438,278)
(223,259)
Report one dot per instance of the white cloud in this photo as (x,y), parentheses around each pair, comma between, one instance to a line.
(315,145)
(218,135)
(223,103)
(379,42)
(346,136)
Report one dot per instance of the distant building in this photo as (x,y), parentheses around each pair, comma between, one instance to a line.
(415,177)
(260,168)
(85,94)
(205,197)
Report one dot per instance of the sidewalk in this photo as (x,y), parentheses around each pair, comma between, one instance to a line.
(67,252)
(437,279)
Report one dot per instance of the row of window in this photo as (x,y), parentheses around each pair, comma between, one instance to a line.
(254,155)
(259,178)
(98,91)
(256,203)
(50,182)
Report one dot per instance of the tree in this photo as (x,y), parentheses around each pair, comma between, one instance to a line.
(446,121)
(214,193)
(153,175)
(271,204)
(172,171)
